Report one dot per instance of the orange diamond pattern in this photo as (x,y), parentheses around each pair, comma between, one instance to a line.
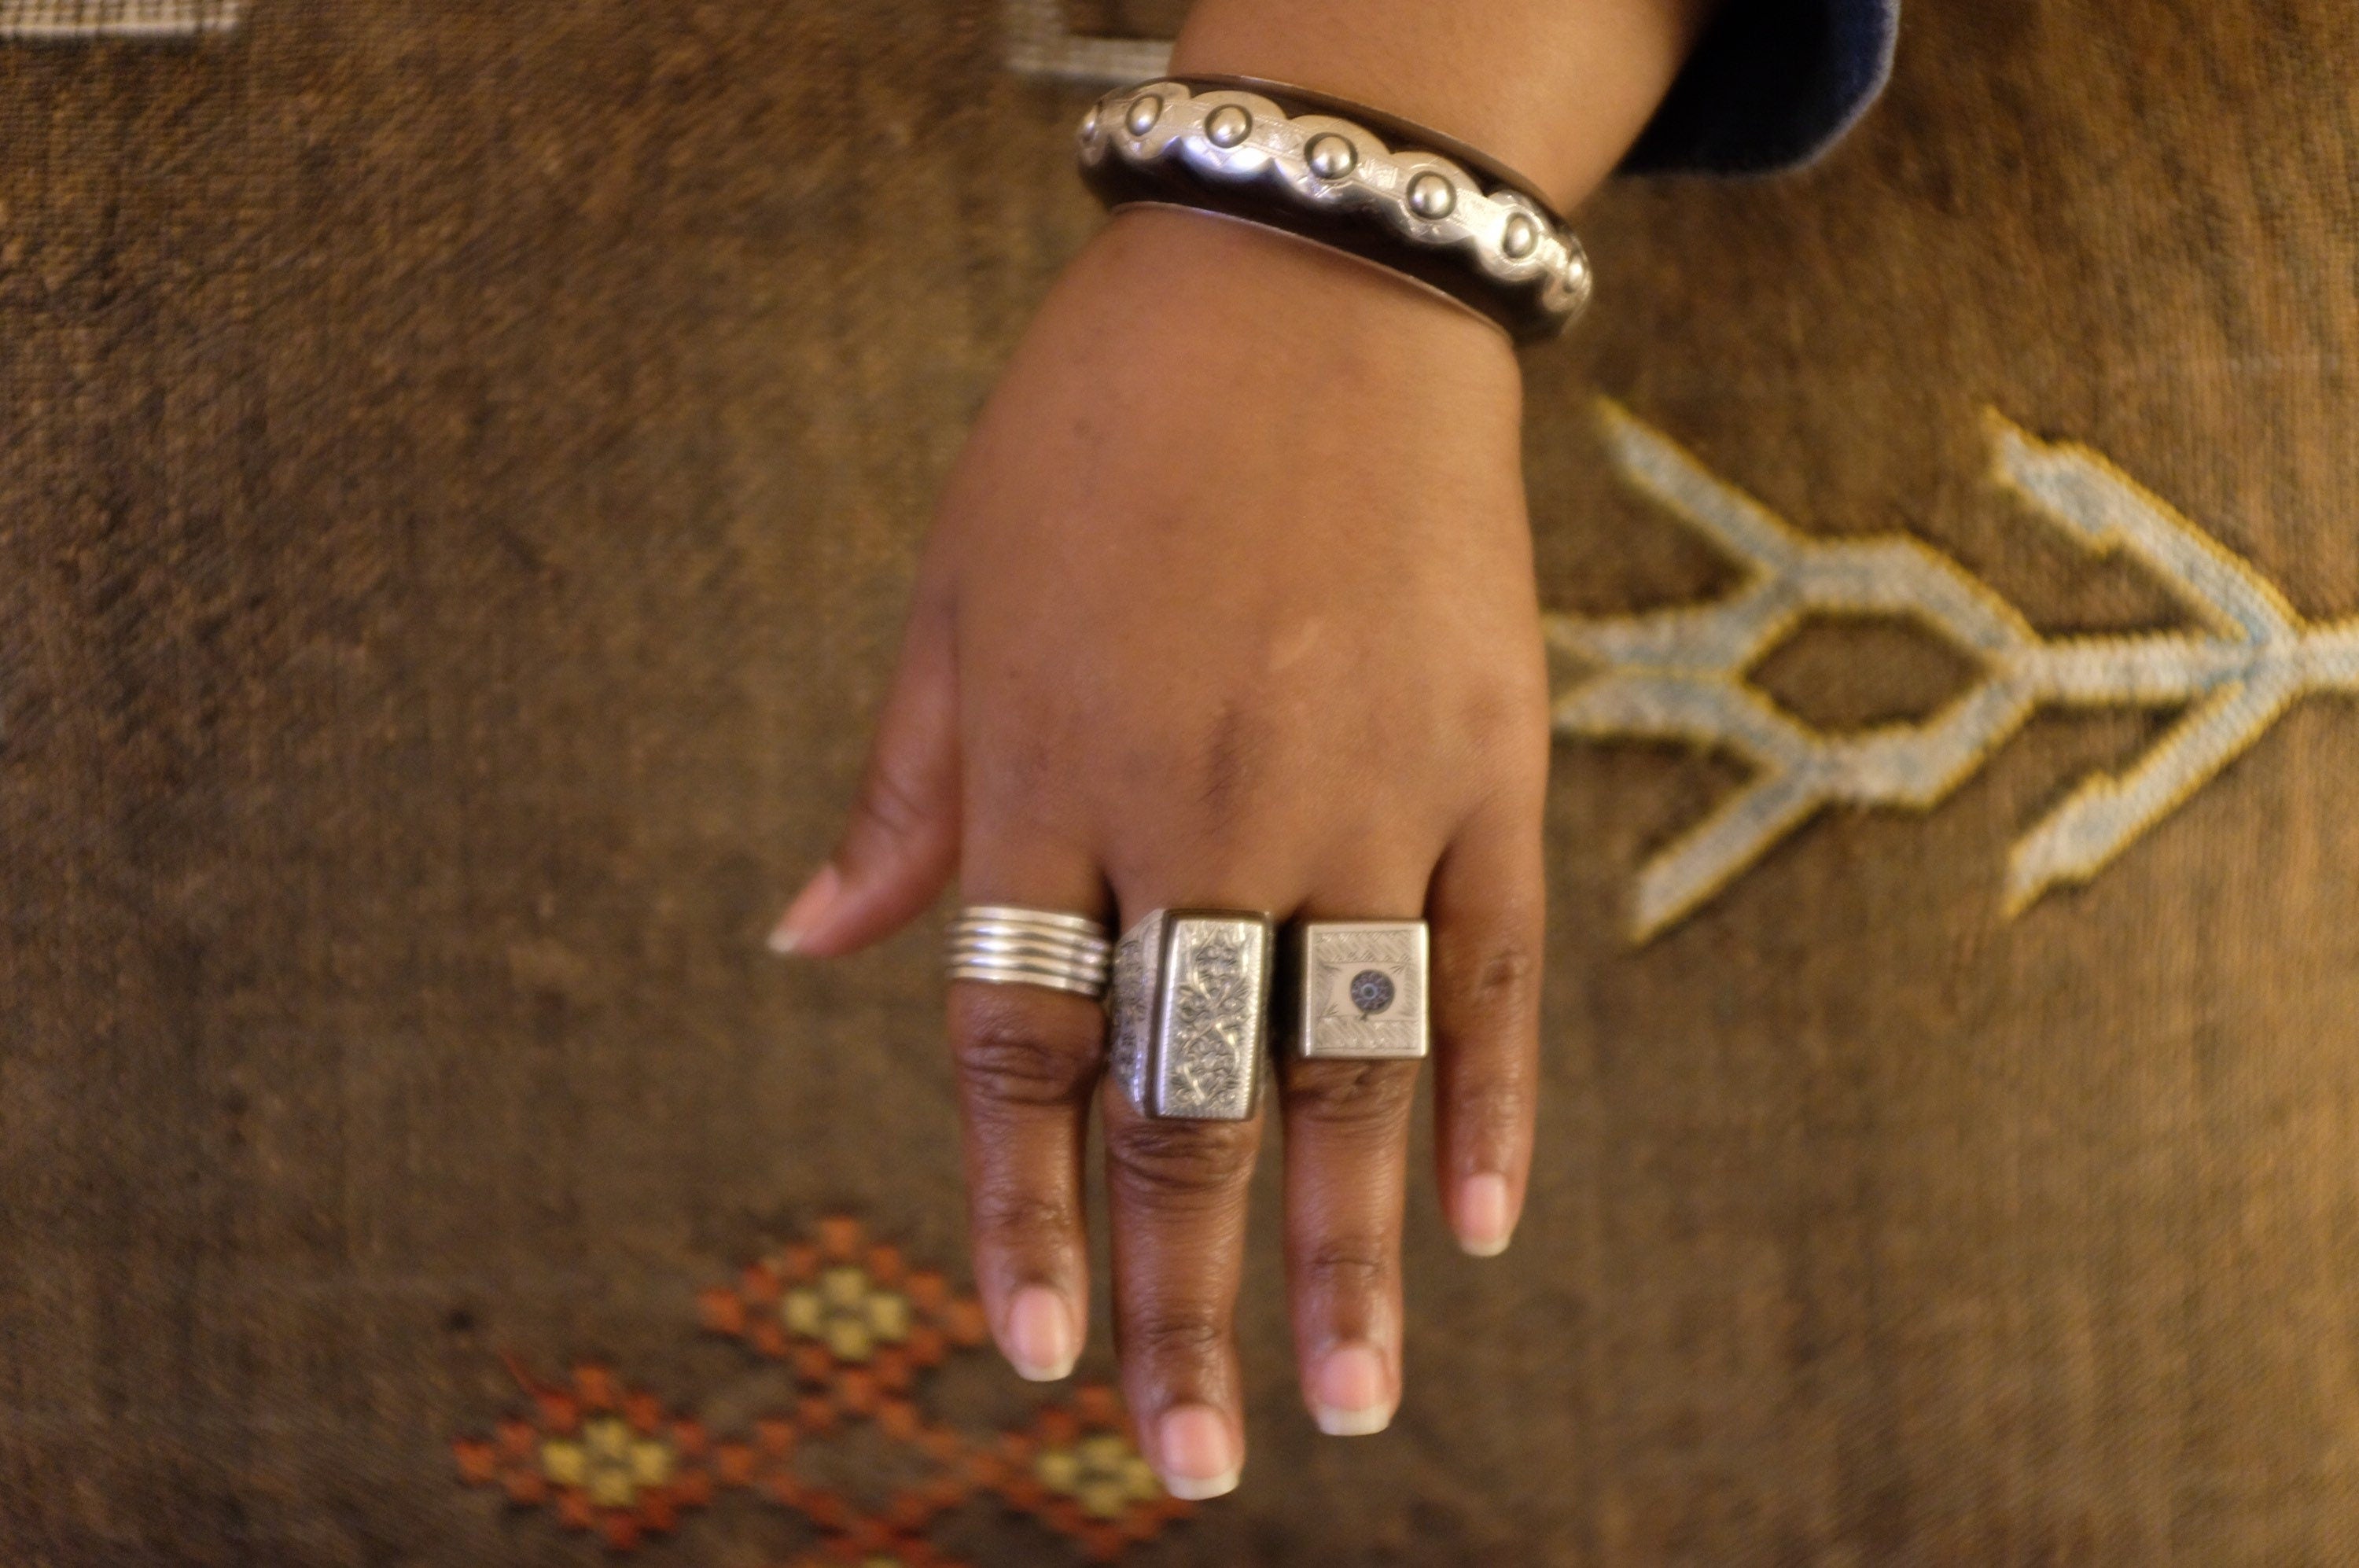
(859,1329)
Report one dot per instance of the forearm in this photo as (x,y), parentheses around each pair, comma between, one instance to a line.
(1557,88)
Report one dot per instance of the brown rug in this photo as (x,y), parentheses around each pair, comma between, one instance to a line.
(459,467)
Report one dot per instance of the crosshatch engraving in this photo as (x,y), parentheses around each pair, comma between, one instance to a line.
(1134,997)
(36,21)
(1363,992)
(1214,1029)
(1190,994)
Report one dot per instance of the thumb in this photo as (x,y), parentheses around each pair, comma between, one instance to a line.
(901,842)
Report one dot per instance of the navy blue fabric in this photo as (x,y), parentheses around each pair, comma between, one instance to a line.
(1772,84)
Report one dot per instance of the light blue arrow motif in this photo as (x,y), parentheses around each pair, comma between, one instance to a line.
(1680,674)
(67,21)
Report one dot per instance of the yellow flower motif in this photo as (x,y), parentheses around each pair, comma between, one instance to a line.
(847,1311)
(1101,1473)
(608,1462)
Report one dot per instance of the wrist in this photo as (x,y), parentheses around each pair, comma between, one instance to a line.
(1212,279)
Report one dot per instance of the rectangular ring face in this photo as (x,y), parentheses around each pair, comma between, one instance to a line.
(1211,1017)
(1190,1013)
(1364,991)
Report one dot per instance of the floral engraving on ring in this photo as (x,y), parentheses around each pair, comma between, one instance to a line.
(1212,1024)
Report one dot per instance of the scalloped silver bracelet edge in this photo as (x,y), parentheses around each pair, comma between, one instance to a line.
(1327,163)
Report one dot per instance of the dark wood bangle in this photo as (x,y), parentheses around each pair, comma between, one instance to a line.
(1354,179)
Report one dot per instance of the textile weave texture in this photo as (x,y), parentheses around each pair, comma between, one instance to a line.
(461,470)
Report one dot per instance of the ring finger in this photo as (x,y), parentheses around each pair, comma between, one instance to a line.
(1347,1139)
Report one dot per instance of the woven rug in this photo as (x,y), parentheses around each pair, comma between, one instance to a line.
(460,467)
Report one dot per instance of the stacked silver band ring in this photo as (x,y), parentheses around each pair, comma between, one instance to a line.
(1001,944)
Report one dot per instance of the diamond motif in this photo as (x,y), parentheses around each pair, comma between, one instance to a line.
(857,1327)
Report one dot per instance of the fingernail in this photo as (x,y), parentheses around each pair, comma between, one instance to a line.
(1040,1341)
(1352,1396)
(1484,1222)
(1199,1458)
(809,906)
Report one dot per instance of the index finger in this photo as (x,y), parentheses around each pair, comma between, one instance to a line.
(1028,1059)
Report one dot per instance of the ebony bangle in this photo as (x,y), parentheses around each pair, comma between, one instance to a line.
(1351,178)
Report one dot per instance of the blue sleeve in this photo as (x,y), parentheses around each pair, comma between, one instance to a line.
(1772,84)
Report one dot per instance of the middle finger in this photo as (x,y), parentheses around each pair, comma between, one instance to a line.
(1177,1197)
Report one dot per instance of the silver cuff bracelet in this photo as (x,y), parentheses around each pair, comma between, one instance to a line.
(1351,177)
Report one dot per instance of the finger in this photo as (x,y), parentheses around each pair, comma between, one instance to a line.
(1347,1137)
(902,838)
(1486,908)
(1027,1060)
(1176,1191)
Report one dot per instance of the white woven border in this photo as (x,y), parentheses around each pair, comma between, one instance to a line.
(1041,42)
(66,21)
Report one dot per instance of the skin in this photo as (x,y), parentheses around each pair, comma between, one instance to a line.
(1230,602)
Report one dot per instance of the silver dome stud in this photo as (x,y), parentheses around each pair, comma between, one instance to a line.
(1431,196)
(1226,125)
(1145,110)
(1331,157)
(1520,237)
(1090,123)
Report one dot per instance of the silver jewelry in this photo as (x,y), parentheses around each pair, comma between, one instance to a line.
(1192,1012)
(1363,991)
(1348,176)
(1001,944)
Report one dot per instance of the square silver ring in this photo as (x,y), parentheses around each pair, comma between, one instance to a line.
(1360,991)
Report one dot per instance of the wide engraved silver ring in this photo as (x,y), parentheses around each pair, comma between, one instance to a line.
(1190,1012)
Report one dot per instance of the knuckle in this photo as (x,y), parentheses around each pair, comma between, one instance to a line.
(1029,770)
(1016,1052)
(1168,1164)
(1230,758)
(1501,980)
(1490,1110)
(1506,972)
(1010,1217)
(1352,1097)
(892,801)
(1352,1265)
(1171,1332)
(1511,713)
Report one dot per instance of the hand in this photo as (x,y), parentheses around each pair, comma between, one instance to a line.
(1230,602)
